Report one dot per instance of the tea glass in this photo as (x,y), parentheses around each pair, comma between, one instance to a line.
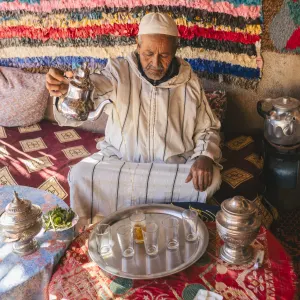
(190,222)
(150,235)
(138,221)
(125,238)
(171,226)
(103,238)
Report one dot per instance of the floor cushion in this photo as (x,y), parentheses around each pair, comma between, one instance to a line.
(242,174)
(41,155)
(23,97)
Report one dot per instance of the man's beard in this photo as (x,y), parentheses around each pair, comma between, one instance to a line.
(155,73)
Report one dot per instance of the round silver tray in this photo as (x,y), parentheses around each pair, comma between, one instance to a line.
(142,266)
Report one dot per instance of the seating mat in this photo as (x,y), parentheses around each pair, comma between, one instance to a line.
(41,156)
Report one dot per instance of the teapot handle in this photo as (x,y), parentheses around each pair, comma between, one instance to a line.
(290,128)
(260,110)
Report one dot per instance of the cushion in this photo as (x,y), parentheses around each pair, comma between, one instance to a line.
(23,97)
(218,102)
(242,174)
(41,155)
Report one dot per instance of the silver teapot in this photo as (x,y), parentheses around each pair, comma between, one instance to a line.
(282,121)
(238,225)
(20,223)
(77,104)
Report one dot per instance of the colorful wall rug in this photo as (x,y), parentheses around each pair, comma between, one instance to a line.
(221,39)
(284,28)
(270,9)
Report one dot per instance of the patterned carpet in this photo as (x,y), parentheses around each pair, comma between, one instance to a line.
(287,231)
(46,166)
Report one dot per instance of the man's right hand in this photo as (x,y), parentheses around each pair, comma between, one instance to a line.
(57,82)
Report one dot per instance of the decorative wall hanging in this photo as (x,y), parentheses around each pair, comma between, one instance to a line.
(282,25)
(270,9)
(220,39)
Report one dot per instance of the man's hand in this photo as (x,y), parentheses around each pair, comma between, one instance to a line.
(57,82)
(201,172)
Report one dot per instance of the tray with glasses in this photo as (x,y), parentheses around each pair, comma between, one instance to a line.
(148,241)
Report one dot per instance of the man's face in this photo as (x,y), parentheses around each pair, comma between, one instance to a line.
(156,52)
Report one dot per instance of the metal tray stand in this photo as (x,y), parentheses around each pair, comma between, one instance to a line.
(142,266)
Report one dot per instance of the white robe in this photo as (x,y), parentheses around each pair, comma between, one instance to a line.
(152,137)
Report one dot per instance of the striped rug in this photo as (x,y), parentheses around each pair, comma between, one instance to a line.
(220,39)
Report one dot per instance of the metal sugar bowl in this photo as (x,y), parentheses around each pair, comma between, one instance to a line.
(237,224)
(20,223)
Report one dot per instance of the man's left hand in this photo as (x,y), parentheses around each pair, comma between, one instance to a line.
(201,172)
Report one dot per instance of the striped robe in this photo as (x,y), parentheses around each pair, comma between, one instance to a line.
(152,137)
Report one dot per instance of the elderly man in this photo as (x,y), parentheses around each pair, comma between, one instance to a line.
(161,140)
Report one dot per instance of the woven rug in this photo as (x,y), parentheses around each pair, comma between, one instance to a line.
(281,26)
(78,277)
(270,9)
(220,39)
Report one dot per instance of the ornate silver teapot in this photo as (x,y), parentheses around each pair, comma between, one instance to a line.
(238,225)
(77,104)
(20,223)
(282,121)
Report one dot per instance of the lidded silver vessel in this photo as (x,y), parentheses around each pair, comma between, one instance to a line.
(238,224)
(20,223)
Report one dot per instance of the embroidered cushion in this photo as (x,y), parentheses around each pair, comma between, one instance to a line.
(23,97)
(218,102)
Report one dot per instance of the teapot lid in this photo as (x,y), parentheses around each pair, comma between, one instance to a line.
(286,103)
(238,206)
(18,205)
(19,212)
(82,73)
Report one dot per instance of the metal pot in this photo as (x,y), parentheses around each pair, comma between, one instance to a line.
(77,104)
(282,121)
(20,223)
(238,225)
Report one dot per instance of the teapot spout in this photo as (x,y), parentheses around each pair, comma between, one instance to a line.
(94,115)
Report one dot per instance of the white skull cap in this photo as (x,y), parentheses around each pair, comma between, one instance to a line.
(158,23)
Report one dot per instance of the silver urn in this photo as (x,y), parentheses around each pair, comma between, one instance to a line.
(237,224)
(20,223)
